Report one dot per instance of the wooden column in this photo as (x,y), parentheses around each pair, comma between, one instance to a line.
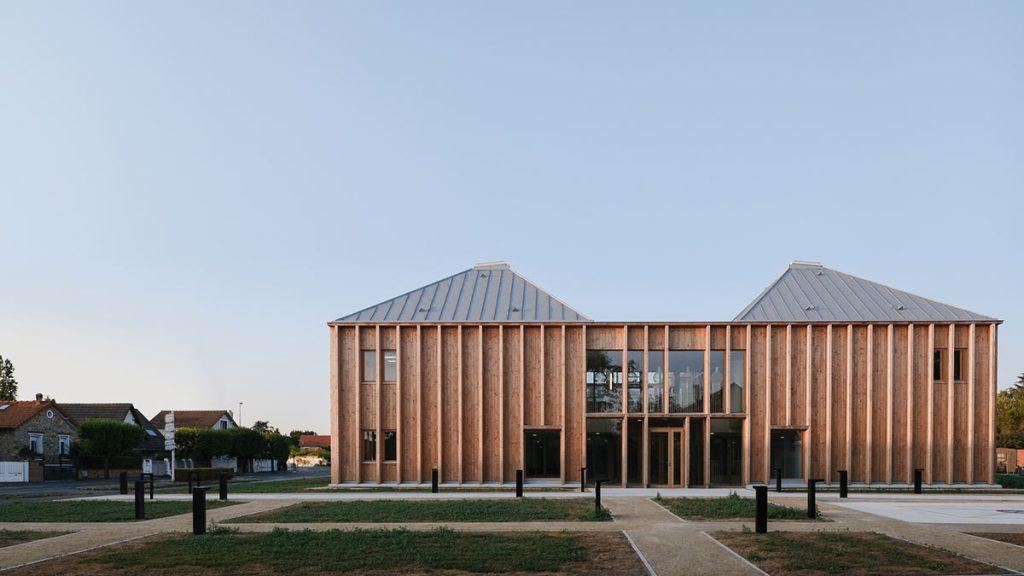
(380,403)
(420,402)
(625,405)
(359,405)
(747,357)
(501,404)
(931,402)
(707,406)
(768,403)
(336,392)
(950,400)
(849,399)
(440,403)
(398,405)
(461,408)
(543,378)
(563,467)
(890,374)
(646,431)
(808,403)
(789,374)
(480,399)
(727,385)
(910,403)
(869,437)
(993,335)
(664,379)
(521,457)
(829,466)
(971,382)
(583,400)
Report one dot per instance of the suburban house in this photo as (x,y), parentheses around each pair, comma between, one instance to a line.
(222,419)
(35,440)
(483,373)
(151,449)
(310,453)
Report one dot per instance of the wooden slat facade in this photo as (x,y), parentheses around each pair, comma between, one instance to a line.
(868,398)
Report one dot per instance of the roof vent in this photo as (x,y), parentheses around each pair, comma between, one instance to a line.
(515,309)
(422,310)
(809,307)
(498,265)
(899,307)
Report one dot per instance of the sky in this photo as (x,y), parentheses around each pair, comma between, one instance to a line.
(190,191)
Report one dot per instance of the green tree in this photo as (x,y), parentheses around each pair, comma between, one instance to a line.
(277,446)
(108,439)
(1010,416)
(185,443)
(8,385)
(262,426)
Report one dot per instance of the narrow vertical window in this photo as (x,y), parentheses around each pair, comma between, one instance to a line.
(369,445)
(937,365)
(35,443)
(717,381)
(390,445)
(369,365)
(64,444)
(737,376)
(655,380)
(956,365)
(390,366)
(634,378)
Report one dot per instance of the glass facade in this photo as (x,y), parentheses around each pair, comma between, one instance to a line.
(634,452)
(726,451)
(390,445)
(787,453)
(696,452)
(542,450)
(634,381)
(369,445)
(604,449)
(655,381)
(717,381)
(737,376)
(390,366)
(604,381)
(369,365)
(686,381)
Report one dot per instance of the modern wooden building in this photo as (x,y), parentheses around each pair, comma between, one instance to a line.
(483,373)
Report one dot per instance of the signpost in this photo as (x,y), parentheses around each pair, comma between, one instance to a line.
(169,438)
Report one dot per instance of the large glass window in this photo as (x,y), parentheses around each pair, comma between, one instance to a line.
(686,380)
(369,445)
(604,380)
(604,449)
(726,451)
(369,365)
(717,381)
(655,380)
(390,445)
(390,366)
(634,379)
(696,454)
(542,452)
(787,453)
(737,375)
(634,451)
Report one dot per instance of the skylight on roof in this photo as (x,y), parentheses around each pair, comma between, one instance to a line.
(150,431)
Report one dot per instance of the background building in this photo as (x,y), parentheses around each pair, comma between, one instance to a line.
(483,373)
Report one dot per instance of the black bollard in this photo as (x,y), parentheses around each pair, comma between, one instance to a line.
(140,500)
(223,486)
(917,480)
(519,483)
(433,480)
(152,488)
(124,482)
(761,516)
(583,479)
(597,496)
(778,479)
(189,474)
(199,510)
(812,507)
(844,484)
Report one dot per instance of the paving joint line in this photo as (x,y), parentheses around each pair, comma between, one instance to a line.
(736,554)
(647,565)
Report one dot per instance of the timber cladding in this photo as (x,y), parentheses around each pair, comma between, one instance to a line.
(871,398)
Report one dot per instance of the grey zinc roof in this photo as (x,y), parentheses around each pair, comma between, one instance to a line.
(484,293)
(810,292)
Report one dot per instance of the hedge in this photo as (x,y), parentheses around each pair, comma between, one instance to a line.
(204,474)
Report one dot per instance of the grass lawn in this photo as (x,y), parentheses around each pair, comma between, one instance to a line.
(321,484)
(92,510)
(731,507)
(12,537)
(1008,537)
(506,510)
(835,553)
(283,552)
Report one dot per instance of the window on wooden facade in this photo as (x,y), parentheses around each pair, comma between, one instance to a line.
(390,445)
(737,375)
(634,379)
(940,368)
(655,380)
(604,380)
(369,365)
(390,366)
(369,445)
(686,380)
(717,381)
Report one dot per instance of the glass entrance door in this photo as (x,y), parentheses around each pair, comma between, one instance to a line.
(667,456)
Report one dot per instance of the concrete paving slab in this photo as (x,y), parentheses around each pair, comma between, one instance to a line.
(945,512)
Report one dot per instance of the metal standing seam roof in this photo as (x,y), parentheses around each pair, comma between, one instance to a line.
(490,292)
(810,292)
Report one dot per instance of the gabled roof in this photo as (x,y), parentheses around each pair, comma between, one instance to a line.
(484,293)
(14,413)
(191,418)
(314,441)
(810,292)
(79,412)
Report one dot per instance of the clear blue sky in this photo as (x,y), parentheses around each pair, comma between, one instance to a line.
(190,191)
